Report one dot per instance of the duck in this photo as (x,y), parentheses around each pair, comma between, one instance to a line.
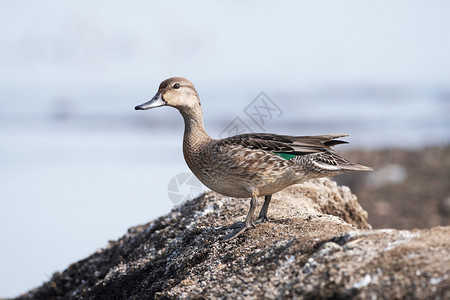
(248,165)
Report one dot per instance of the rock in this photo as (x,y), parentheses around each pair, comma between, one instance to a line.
(386,175)
(317,244)
(407,189)
(446,205)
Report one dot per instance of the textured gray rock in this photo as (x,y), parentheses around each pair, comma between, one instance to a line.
(318,244)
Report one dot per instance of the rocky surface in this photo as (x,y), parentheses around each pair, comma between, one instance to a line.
(317,244)
(408,188)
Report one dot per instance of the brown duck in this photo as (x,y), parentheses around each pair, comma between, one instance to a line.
(248,165)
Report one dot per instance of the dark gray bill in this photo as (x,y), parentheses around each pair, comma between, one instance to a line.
(156,101)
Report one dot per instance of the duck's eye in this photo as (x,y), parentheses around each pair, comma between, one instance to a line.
(176,86)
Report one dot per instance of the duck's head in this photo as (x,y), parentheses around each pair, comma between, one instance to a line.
(176,92)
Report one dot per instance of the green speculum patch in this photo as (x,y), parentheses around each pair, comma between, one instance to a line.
(286,156)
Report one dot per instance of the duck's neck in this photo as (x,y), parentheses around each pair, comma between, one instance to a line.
(195,135)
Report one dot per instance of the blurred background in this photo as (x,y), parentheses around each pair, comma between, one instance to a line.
(78,166)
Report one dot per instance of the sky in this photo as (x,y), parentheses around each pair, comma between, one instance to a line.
(69,185)
(287,45)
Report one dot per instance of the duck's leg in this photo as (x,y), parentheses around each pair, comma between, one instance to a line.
(247,224)
(263,213)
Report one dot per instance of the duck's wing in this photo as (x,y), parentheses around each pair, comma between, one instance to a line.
(284,144)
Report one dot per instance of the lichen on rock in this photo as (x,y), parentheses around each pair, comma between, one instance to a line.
(317,244)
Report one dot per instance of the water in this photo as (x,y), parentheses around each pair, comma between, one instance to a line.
(78,171)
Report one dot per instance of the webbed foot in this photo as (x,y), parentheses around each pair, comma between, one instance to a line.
(237,225)
(237,232)
(261,219)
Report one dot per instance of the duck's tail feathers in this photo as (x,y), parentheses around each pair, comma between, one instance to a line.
(355,167)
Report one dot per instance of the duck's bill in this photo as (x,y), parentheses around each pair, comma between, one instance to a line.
(156,101)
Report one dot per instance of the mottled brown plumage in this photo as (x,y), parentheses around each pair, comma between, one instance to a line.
(248,165)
